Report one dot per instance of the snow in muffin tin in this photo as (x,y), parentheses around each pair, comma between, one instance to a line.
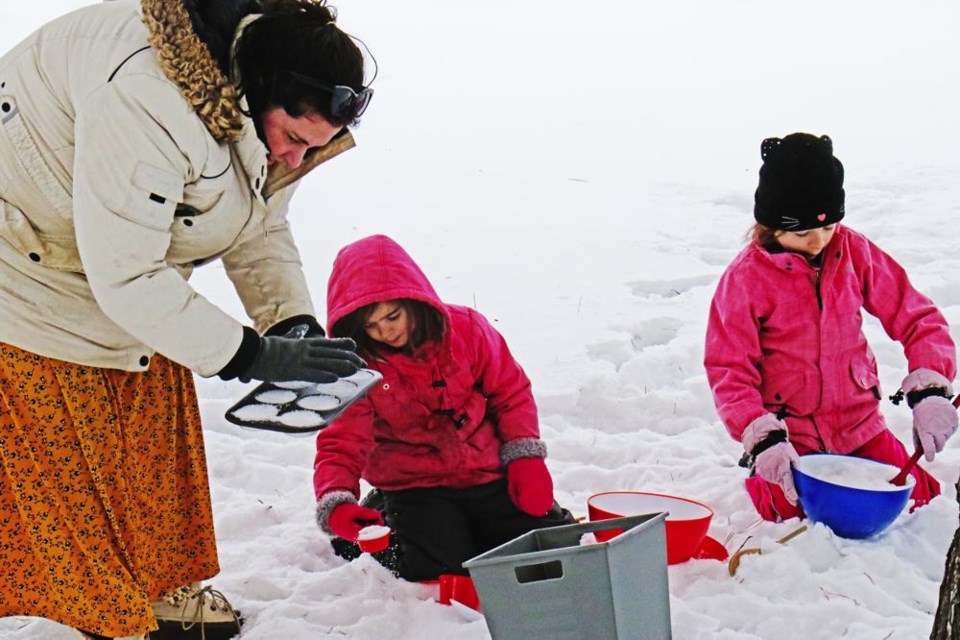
(301,405)
(300,418)
(271,413)
(338,388)
(277,396)
(257,413)
(319,402)
(293,384)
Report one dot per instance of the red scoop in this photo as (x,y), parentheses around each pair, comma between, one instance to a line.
(901,478)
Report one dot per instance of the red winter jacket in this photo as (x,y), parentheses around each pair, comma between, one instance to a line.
(784,336)
(439,418)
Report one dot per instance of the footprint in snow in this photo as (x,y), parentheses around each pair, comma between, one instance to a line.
(668,288)
(649,333)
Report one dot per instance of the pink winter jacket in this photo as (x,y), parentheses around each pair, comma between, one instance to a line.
(437,419)
(786,337)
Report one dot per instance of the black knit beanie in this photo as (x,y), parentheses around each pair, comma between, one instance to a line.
(801,183)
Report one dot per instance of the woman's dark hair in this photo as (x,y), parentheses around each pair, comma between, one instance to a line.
(294,41)
(215,22)
(427,323)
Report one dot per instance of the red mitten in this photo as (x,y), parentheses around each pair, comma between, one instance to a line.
(348,518)
(530,485)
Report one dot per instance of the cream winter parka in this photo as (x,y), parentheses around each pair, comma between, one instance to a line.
(113,188)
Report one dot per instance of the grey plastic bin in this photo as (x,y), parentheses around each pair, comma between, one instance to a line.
(545,584)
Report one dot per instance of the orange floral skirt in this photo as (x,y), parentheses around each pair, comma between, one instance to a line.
(104,499)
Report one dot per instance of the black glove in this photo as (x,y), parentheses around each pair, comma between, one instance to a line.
(282,359)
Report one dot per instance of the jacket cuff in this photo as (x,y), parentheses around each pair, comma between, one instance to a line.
(314,330)
(920,379)
(758,430)
(914,397)
(327,503)
(244,357)
(522,448)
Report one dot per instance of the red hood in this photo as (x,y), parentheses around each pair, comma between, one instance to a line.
(375,269)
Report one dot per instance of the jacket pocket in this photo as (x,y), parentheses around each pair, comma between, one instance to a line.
(153,197)
(52,250)
(865,377)
(786,394)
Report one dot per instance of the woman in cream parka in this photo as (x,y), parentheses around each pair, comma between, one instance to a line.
(139,141)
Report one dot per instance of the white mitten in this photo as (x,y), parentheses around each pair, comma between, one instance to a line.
(934,421)
(773,465)
(920,379)
(934,416)
(766,440)
(758,430)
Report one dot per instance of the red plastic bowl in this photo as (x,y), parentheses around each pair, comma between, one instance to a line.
(374,538)
(686,524)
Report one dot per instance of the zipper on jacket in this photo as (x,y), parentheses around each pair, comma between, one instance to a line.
(821,443)
(817,287)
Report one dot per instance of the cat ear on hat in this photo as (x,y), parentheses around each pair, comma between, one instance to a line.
(768,145)
(827,144)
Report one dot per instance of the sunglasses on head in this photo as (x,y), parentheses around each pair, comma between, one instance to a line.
(344,101)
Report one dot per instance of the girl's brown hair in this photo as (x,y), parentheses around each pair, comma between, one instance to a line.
(427,322)
(765,236)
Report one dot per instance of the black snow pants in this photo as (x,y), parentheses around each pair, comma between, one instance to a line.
(436,529)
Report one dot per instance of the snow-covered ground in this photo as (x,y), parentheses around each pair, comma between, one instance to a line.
(581,173)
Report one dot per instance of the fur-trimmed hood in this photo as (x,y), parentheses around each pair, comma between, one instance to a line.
(186,61)
(376,269)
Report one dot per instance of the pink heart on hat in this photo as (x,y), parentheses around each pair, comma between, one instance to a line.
(822,217)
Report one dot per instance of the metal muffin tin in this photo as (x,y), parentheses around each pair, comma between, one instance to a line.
(300,407)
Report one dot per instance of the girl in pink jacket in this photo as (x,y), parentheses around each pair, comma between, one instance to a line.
(786,357)
(450,436)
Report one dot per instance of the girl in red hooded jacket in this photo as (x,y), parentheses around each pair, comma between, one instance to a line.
(450,436)
(786,357)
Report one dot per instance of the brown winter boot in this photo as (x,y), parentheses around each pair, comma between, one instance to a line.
(195,612)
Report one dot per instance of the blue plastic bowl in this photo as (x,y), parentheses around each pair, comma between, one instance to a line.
(851,512)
